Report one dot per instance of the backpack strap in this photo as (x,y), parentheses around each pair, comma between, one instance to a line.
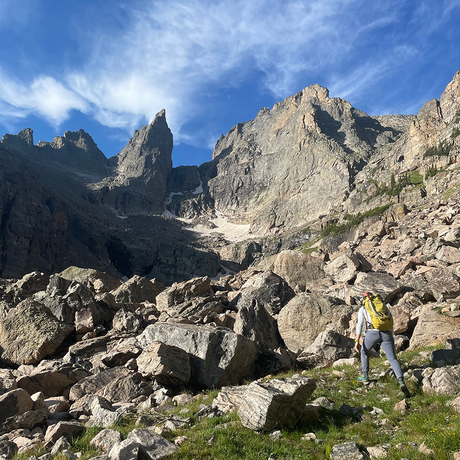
(369,324)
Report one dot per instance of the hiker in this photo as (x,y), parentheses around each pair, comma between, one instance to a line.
(379,330)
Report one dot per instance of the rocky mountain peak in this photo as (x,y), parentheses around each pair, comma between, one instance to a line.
(23,141)
(436,124)
(294,162)
(149,146)
(71,139)
(80,139)
(27,135)
(141,169)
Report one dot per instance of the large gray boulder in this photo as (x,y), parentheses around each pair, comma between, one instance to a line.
(306,315)
(179,293)
(14,402)
(296,268)
(138,289)
(26,420)
(52,377)
(126,388)
(445,380)
(105,439)
(383,283)
(254,322)
(25,287)
(229,398)
(168,364)
(269,289)
(343,269)
(218,356)
(96,280)
(127,449)
(152,446)
(434,328)
(275,404)
(66,429)
(30,333)
(93,383)
(328,347)
(442,283)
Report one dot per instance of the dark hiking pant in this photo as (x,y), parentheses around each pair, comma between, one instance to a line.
(387,342)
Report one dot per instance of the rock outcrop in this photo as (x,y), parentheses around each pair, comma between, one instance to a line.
(141,172)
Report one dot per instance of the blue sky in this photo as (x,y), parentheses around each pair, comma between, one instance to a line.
(108,66)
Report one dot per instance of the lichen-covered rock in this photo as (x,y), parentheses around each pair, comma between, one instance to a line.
(218,356)
(14,402)
(168,364)
(274,404)
(306,315)
(30,332)
(348,451)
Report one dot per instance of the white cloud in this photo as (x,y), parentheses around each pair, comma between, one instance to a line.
(173,50)
(45,97)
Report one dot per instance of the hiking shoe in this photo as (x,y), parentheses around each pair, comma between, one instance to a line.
(364,380)
(404,390)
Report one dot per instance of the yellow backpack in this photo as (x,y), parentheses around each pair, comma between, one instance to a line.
(378,312)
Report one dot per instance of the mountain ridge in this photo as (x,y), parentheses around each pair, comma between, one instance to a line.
(309,160)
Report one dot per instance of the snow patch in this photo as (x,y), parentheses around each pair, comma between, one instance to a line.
(231,232)
(168,201)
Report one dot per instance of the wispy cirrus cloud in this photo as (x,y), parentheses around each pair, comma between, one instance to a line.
(44,96)
(164,54)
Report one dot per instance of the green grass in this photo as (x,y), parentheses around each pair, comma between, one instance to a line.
(352,220)
(416,178)
(428,419)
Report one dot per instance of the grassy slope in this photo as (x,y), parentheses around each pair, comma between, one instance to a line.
(427,420)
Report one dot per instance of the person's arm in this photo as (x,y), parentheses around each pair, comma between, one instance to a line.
(359,329)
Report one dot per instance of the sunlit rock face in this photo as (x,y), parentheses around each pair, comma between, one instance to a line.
(294,162)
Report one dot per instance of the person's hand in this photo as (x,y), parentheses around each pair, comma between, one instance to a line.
(357,347)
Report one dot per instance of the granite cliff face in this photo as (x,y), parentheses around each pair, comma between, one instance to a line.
(295,162)
(141,169)
(61,203)
(310,161)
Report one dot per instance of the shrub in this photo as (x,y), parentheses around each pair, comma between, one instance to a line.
(442,149)
(352,220)
(431,171)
